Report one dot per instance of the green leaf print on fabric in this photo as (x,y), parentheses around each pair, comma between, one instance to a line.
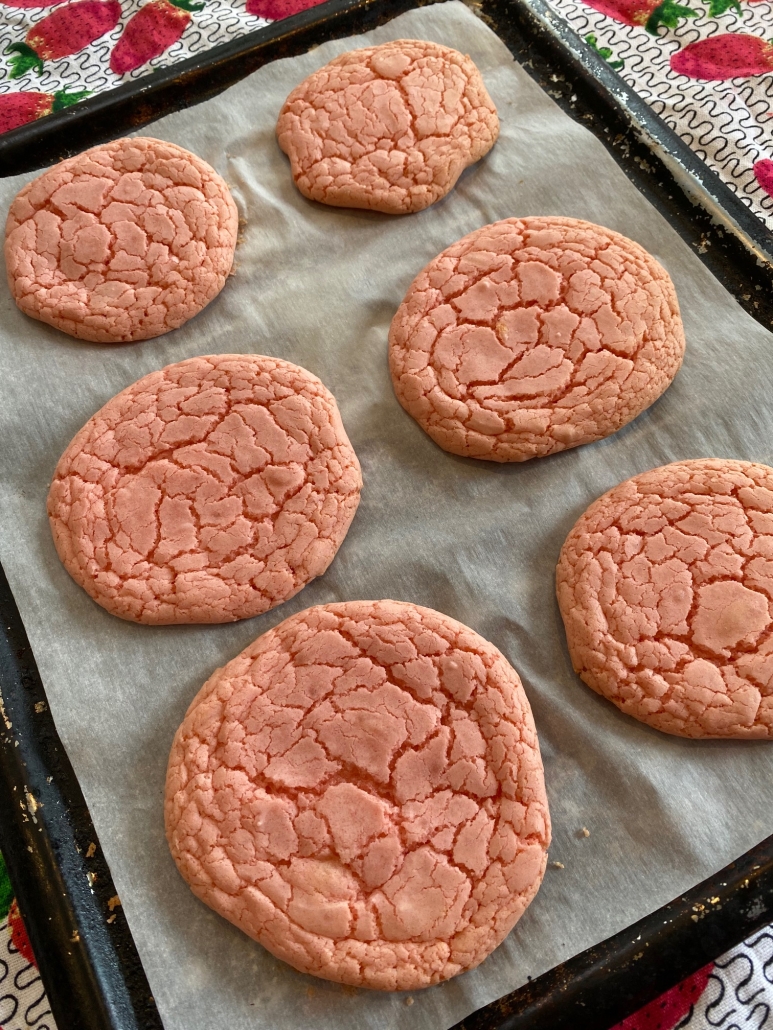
(668,14)
(717,7)
(6,890)
(603,51)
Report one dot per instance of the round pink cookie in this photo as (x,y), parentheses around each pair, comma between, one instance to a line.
(390,128)
(361,791)
(533,335)
(210,491)
(665,585)
(123,242)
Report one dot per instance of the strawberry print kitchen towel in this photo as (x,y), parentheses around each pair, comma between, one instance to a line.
(734,993)
(23,1001)
(706,67)
(54,54)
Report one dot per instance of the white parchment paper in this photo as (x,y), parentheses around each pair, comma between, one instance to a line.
(476,540)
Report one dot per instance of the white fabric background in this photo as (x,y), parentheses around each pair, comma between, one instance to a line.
(478,541)
(23,1001)
(739,994)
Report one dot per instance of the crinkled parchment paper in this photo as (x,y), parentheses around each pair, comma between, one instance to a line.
(476,540)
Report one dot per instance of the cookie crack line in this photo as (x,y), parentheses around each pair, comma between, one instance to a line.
(387,128)
(123,242)
(468,706)
(519,341)
(164,541)
(390,893)
(665,586)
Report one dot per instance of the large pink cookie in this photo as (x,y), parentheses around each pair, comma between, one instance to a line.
(210,491)
(123,242)
(361,791)
(390,128)
(533,335)
(666,589)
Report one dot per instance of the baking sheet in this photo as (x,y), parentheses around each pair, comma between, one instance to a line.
(478,541)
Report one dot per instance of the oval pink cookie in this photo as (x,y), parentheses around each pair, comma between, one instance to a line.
(361,791)
(123,242)
(390,128)
(665,585)
(533,335)
(210,491)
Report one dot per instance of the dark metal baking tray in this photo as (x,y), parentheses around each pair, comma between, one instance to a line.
(87,958)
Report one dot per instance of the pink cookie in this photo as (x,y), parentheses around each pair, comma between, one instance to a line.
(665,585)
(390,128)
(361,791)
(210,491)
(123,242)
(533,335)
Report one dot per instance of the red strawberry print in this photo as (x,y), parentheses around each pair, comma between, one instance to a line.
(63,32)
(19,108)
(19,934)
(649,13)
(150,32)
(278,9)
(763,171)
(666,1011)
(29,3)
(724,57)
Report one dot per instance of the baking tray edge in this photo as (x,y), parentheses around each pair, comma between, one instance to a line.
(86,956)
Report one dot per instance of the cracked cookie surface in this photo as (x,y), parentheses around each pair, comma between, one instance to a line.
(390,128)
(665,585)
(209,491)
(123,242)
(533,335)
(361,791)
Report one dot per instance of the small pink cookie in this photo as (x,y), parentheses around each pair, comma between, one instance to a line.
(361,791)
(123,242)
(665,585)
(210,491)
(533,335)
(390,128)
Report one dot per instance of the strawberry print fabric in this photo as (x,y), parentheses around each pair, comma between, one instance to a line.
(54,54)
(23,1001)
(706,67)
(734,992)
